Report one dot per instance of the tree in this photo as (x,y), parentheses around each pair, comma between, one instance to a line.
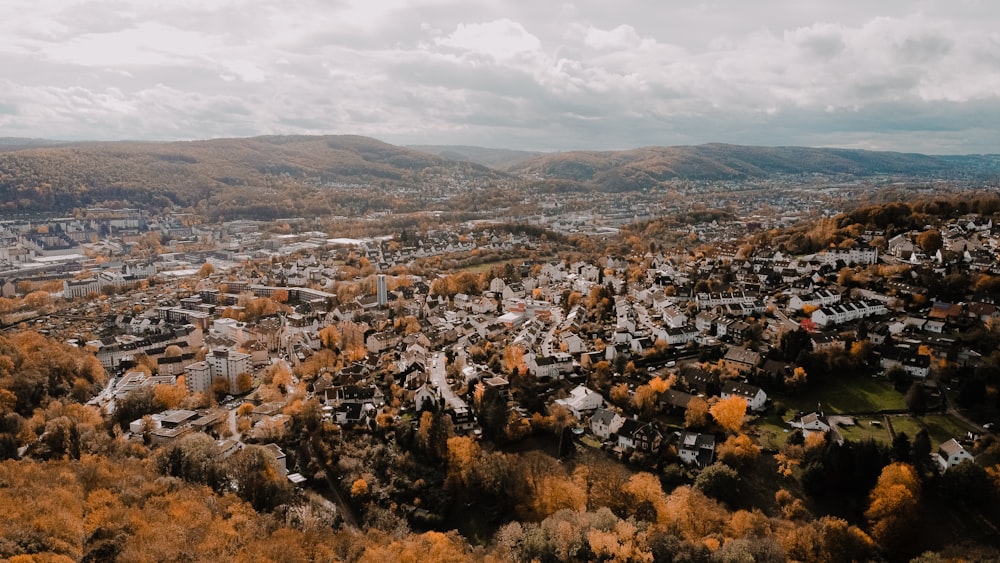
(893,506)
(170,396)
(900,449)
(258,479)
(359,488)
(729,412)
(738,451)
(930,241)
(720,482)
(244,382)
(920,453)
(696,413)
(916,398)
(620,394)
(644,400)
(206,270)
(220,388)
(797,379)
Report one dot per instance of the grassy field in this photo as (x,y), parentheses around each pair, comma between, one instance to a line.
(941,428)
(846,396)
(772,432)
(863,429)
(480,268)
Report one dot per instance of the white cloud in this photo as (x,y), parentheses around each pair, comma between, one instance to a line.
(501,39)
(531,75)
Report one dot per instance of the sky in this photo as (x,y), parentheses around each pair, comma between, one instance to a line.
(903,75)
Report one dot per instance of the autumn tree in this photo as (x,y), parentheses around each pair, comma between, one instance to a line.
(738,451)
(893,506)
(797,379)
(620,394)
(170,396)
(220,388)
(330,337)
(696,413)
(930,241)
(258,479)
(720,482)
(644,400)
(729,413)
(244,382)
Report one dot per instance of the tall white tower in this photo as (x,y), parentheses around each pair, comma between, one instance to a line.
(383,290)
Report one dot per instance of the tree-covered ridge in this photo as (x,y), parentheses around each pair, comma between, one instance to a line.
(155,175)
(646,167)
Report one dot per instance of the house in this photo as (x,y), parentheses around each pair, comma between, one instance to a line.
(755,396)
(352,413)
(604,423)
(553,366)
(696,448)
(741,359)
(426,397)
(809,423)
(700,380)
(637,436)
(951,453)
(380,341)
(674,399)
(574,344)
(582,400)
(351,394)
(912,362)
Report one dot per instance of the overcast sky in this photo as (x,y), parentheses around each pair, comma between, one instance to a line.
(536,74)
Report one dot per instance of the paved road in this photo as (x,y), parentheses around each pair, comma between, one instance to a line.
(440,380)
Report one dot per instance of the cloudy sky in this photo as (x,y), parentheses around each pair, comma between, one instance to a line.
(904,75)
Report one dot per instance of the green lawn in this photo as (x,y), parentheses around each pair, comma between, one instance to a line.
(846,396)
(941,428)
(863,429)
(772,432)
(480,268)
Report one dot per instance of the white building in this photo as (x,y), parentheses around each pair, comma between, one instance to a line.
(229,364)
(755,396)
(951,453)
(198,378)
(582,400)
(383,290)
(847,311)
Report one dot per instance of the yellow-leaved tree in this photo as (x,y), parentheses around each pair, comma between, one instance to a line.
(729,413)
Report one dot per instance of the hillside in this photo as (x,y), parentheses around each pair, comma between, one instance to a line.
(186,173)
(282,176)
(645,167)
(494,158)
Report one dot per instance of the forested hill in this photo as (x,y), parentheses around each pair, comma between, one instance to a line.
(645,167)
(501,159)
(281,176)
(184,173)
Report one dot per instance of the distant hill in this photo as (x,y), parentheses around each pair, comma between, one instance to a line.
(283,176)
(500,159)
(18,143)
(183,173)
(646,167)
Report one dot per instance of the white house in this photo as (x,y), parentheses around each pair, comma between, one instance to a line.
(755,396)
(582,400)
(695,448)
(951,453)
(604,423)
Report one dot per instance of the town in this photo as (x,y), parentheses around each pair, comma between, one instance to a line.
(712,363)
